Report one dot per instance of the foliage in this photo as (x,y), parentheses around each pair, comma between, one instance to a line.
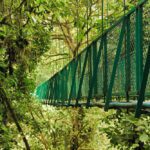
(127,132)
(40,33)
(52,128)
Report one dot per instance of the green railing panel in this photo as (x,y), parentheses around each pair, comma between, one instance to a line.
(110,68)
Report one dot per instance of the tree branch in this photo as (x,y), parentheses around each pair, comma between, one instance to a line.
(4,98)
(54,55)
(55,60)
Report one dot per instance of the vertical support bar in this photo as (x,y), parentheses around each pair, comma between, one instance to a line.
(141,41)
(68,81)
(119,47)
(143,85)
(94,62)
(40,92)
(58,87)
(89,65)
(49,90)
(46,89)
(105,65)
(139,50)
(82,76)
(73,96)
(55,89)
(53,94)
(62,86)
(65,84)
(127,59)
(122,76)
(43,92)
(94,73)
(54,84)
(74,70)
(50,95)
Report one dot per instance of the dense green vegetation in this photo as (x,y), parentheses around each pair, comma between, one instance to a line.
(37,38)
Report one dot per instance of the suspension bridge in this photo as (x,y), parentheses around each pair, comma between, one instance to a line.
(111,72)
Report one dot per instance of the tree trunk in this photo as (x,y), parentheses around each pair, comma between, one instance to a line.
(6,102)
(77,128)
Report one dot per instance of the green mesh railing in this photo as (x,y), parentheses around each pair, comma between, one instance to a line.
(111,69)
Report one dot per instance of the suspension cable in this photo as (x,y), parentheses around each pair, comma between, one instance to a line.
(107,12)
(124,6)
(77,24)
(87,9)
(102,16)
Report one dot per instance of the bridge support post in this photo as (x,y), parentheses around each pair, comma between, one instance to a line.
(94,50)
(112,79)
(82,76)
(54,91)
(139,47)
(73,84)
(127,59)
(94,73)
(105,69)
(143,85)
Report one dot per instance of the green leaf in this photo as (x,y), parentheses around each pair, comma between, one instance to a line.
(144,137)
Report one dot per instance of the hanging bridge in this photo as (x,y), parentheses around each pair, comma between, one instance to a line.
(111,72)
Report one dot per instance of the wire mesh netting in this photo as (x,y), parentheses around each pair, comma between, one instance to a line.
(115,53)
